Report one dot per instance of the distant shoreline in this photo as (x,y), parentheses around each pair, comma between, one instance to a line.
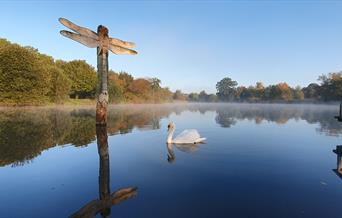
(92,103)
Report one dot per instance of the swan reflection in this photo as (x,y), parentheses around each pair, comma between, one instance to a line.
(106,198)
(187,148)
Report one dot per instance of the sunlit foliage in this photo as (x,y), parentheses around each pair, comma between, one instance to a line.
(28,77)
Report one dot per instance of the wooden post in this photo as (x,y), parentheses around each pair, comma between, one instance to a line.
(103,43)
(102,69)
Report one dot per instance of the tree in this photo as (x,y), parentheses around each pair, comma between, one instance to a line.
(298,93)
(83,78)
(179,96)
(331,86)
(193,97)
(311,91)
(259,90)
(212,98)
(203,96)
(23,79)
(115,88)
(155,85)
(226,89)
(4,42)
(60,85)
(285,91)
(126,78)
(140,87)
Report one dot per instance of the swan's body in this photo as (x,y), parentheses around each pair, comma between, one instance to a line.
(188,136)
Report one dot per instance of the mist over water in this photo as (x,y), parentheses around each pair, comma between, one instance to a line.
(260,160)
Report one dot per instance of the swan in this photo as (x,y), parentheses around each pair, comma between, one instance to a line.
(188,136)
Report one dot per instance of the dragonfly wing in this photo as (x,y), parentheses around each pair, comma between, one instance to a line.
(87,41)
(81,30)
(121,43)
(121,50)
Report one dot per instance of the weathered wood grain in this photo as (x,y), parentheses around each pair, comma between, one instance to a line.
(102,70)
(121,43)
(96,206)
(87,41)
(81,30)
(120,50)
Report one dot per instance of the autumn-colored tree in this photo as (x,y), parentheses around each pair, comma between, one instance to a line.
(331,86)
(115,88)
(126,78)
(140,87)
(285,91)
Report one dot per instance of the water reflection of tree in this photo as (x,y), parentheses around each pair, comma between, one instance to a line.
(225,118)
(281,114)
(25,133)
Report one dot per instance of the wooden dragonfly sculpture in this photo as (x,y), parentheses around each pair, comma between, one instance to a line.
(103,43)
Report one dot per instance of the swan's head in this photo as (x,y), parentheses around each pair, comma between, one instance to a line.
(171,127)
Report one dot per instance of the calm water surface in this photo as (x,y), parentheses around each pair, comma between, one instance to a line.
(258,161)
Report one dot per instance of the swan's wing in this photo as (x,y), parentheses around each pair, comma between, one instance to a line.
(187,136)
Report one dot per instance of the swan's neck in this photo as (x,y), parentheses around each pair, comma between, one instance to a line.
(169,136)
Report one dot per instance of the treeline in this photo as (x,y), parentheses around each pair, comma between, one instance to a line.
(28,77)
(329,89)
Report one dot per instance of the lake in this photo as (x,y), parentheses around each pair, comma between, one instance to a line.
(259,160)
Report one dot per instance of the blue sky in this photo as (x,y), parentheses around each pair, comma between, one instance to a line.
(190,45)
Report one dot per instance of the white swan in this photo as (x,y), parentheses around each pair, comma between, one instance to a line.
(188,136)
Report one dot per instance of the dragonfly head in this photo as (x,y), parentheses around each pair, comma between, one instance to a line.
(102,31)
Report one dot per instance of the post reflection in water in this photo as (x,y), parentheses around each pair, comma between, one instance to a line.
(107,199)
(338,169)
